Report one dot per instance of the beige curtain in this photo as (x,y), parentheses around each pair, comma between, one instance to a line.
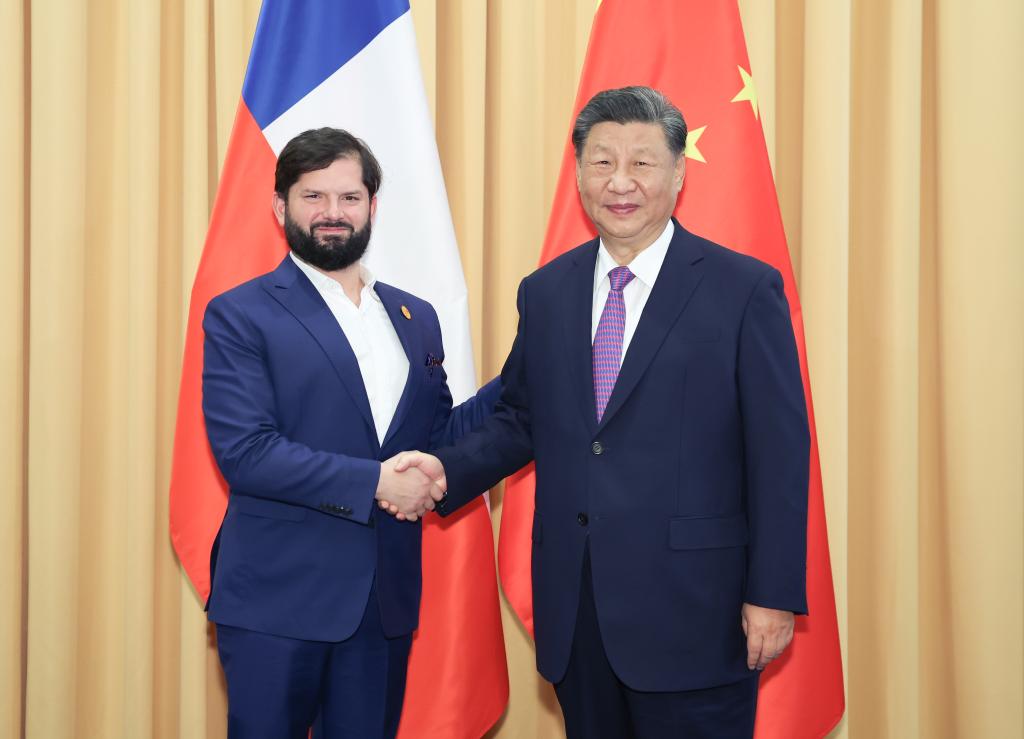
(895,130)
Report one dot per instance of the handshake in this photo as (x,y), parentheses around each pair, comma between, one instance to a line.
(411,483)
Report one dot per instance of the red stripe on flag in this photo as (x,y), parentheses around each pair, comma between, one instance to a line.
(244,241)
(693,51)
(457,686)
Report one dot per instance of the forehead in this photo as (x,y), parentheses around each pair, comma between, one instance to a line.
(345,173)
(634,136)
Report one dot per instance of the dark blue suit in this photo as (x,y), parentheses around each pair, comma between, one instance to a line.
(289,423)
(691,493)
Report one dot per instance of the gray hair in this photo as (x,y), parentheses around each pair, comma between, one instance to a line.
(631,105)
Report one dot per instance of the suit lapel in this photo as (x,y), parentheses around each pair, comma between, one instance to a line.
(680,274)
(412,345)
(296,293)
(578,312)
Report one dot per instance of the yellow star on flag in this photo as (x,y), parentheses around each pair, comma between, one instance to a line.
(691,151)
(748,93)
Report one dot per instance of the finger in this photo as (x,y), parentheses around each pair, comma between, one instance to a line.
(402,462)
(754,644)
(429,504)
(767,652)
(393,509)
(437,493)
(383,504)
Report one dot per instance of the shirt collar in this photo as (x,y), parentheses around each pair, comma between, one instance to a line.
(323,283)
(646,265)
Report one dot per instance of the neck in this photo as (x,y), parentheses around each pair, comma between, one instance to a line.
(624,251)
(349,278)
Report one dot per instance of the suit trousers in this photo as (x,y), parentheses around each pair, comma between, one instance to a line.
(278,686)
(597,705)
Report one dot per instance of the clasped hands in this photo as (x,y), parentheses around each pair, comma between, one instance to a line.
(411,483)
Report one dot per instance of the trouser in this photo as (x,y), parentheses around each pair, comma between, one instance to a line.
(596,704)
(278,686)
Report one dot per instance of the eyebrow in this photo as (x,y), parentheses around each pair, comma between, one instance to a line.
(314,191)
(639,151)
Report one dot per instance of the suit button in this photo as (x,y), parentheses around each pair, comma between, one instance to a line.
(597,447)
(582,519)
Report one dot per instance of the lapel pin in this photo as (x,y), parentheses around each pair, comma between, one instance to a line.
(406,313)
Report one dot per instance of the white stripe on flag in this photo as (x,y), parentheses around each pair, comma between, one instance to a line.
(379,97)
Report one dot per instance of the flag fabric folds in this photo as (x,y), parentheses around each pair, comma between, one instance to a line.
(694,51)
(353,64)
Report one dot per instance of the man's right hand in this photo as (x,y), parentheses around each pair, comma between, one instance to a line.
(409,492)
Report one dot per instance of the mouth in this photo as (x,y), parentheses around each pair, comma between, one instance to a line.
(331,230)
(622,209)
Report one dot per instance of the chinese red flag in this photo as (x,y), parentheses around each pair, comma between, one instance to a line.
(694,52)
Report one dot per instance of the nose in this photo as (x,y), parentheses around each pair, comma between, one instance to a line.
(621,182)
(334,209)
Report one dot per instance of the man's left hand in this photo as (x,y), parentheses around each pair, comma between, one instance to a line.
(768,632)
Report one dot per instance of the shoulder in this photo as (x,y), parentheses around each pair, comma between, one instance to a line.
(730,262)
(554,271)
(732,272)
(242,296)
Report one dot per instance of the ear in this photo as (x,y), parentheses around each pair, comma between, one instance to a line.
(373,209)
(279,205)
(679,172)
(579,175)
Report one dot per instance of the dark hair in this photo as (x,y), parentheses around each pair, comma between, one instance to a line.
(320,148)
(631,105)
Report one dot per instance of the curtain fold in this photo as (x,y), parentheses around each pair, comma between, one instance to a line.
(894,130)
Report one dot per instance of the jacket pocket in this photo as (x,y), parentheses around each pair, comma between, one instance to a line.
(710,532)
(264,508)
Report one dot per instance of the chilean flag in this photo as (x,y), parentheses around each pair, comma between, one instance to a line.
(353,64)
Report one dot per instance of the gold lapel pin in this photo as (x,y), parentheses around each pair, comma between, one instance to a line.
(406,313)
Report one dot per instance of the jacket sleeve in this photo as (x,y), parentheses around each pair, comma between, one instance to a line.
(241,424)
(502,443)
(463,418)
(776,448)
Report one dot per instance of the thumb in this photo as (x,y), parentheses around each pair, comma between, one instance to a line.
(402,462)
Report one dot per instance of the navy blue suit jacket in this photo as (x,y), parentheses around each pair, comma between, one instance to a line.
(290,426)
(692,490)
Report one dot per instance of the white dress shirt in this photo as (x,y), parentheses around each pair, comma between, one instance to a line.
(645,266)
(378,350)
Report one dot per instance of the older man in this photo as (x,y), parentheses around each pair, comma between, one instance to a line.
(654,380)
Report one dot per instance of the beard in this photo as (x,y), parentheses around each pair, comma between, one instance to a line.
(332,252)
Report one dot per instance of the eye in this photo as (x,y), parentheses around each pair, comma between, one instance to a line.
(312,196)
(642,164)
(352,198)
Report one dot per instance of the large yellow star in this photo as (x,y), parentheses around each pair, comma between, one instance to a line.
(691,151)
(748,93)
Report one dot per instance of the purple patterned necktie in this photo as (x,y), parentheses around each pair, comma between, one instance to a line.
(608,339)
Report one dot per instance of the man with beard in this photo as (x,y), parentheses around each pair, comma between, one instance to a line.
(314,376)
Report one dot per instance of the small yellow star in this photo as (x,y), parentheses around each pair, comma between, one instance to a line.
(748,93)
(691,151)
